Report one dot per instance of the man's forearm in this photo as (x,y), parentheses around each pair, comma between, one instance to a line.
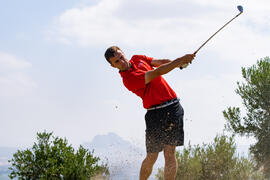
(167,67)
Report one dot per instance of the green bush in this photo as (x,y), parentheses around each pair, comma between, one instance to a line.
(217,161)
(52,158)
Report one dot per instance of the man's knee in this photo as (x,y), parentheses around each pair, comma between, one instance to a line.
(151,157)
(169,152)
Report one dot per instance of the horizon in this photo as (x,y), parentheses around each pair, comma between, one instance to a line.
(243,151)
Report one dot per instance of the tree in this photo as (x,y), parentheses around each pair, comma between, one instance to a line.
(52,158)
(217,160)
(255,93)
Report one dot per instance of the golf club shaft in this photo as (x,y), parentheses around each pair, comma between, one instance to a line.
(216,33)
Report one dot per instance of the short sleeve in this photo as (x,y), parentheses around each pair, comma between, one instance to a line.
(143,58)
(135,80)
(147,59)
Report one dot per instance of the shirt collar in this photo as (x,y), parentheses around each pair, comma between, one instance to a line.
(132,67)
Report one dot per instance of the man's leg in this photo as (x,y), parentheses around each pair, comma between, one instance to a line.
(170,169)
(147,165)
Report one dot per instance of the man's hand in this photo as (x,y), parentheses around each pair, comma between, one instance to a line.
(186,60)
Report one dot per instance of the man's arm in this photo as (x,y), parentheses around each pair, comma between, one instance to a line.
(159,62)
(167,67)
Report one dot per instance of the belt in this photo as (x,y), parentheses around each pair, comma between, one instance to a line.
(165,104)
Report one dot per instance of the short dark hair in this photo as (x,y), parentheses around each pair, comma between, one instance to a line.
(109,53)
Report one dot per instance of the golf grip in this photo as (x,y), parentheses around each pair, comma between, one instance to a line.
(213,36)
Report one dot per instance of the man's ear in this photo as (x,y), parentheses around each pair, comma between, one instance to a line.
(112,65)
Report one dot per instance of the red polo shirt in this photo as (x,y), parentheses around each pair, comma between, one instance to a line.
(155,92)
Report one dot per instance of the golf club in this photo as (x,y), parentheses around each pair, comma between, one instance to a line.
(240,8)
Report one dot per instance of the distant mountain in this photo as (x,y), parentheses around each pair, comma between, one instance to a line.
(124,158)
(109,140)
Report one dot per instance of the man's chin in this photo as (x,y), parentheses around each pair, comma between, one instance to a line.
(124,68)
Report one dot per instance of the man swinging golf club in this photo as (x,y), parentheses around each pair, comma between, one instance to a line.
(164,118)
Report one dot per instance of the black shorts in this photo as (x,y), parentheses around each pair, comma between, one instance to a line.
(164,126)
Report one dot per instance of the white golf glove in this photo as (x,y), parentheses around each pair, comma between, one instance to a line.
(184,66)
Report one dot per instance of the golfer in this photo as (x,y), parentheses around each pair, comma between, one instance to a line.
(142,75)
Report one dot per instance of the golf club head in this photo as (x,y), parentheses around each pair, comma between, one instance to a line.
(240,8)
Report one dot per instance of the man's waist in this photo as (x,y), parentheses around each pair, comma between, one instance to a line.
(164,104)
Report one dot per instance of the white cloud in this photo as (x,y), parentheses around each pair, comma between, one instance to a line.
(14,80)
(9,62)
(169,26)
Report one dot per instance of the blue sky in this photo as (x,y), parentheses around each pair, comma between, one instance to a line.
(53,75)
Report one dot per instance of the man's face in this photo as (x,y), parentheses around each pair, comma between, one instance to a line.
(119,61)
